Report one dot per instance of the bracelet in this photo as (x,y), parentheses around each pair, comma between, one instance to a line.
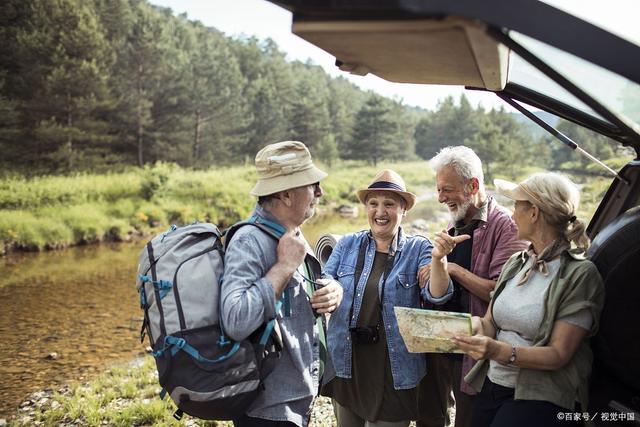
(513,356)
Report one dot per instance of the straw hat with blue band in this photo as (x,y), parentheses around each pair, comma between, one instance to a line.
(388,180)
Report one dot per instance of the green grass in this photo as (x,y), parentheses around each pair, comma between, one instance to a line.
(24,230)
(55,212)
(120,396)
(20,193)
(125,396)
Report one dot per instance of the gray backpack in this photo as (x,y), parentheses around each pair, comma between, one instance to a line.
(205,373)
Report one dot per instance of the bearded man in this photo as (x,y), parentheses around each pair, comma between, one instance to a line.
(474,266)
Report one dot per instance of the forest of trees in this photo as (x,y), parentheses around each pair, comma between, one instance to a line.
(107,84)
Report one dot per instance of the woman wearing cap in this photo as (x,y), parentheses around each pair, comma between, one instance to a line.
(376,377)
(532,345)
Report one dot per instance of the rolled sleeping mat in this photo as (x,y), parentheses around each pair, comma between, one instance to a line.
(325,246)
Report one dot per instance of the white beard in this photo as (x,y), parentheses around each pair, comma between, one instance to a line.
(460,213)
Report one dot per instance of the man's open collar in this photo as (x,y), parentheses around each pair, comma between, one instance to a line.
(263,213)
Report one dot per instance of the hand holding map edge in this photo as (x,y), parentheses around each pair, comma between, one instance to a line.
(428,331)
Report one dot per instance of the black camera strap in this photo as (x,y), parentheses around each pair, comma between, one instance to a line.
(362,251)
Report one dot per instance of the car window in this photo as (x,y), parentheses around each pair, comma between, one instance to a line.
(525,74)
(615,92)
(619,17)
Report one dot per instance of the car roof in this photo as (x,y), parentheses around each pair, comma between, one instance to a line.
(523,50)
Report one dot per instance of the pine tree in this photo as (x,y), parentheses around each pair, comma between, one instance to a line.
(63,92)
(268,91)
(141,67)
(219,113)
(10,130)
(310,116)
(374,131)
(345,100)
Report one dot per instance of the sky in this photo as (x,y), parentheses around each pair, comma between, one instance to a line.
(265,20)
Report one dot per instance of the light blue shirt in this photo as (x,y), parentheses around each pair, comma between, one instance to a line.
(400,289)
(248,300)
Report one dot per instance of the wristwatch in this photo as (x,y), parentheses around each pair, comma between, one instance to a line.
(512,358)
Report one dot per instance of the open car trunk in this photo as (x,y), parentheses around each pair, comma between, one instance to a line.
(531,55)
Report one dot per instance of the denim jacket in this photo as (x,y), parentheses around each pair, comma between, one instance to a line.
(400,289)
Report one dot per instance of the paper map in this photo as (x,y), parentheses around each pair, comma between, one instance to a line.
(429,331)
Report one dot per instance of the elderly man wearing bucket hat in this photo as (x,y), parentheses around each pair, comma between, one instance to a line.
(262,273)
(376,377)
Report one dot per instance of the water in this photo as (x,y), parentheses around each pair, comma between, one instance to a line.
(79,303)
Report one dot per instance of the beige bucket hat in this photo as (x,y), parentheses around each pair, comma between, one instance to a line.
(284,165)
(388,180)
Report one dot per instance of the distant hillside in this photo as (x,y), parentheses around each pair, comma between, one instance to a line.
(535,130)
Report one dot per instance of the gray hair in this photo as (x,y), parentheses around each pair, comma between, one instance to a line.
(464,160)
(560,200)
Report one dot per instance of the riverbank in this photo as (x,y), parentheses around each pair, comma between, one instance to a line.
(120,396)
(56,212)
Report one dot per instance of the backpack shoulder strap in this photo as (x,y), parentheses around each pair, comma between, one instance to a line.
(271,228)
(276,231)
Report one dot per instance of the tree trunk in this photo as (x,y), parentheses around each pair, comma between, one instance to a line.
(69,138)
(140,129)
(196,138)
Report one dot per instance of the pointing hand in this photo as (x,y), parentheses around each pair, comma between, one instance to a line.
(443,244)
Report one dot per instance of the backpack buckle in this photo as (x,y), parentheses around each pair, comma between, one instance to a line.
(178,414)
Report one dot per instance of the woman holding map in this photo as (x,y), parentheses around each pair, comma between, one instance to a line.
(532,345)
(376,377)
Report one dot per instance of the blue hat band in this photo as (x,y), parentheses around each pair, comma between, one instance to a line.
(385,185)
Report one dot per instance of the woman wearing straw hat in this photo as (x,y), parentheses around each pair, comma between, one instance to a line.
(376,377)
(532,345)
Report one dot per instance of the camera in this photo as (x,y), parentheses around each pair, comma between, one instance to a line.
(365,334)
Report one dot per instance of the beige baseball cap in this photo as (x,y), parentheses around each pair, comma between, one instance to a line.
(284,165)
(517,191)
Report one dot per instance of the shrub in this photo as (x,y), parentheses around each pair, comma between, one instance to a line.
(123,208)
(154,179)
(177,212)
(87,222)
(20,229)
(151,214)
(117,229)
